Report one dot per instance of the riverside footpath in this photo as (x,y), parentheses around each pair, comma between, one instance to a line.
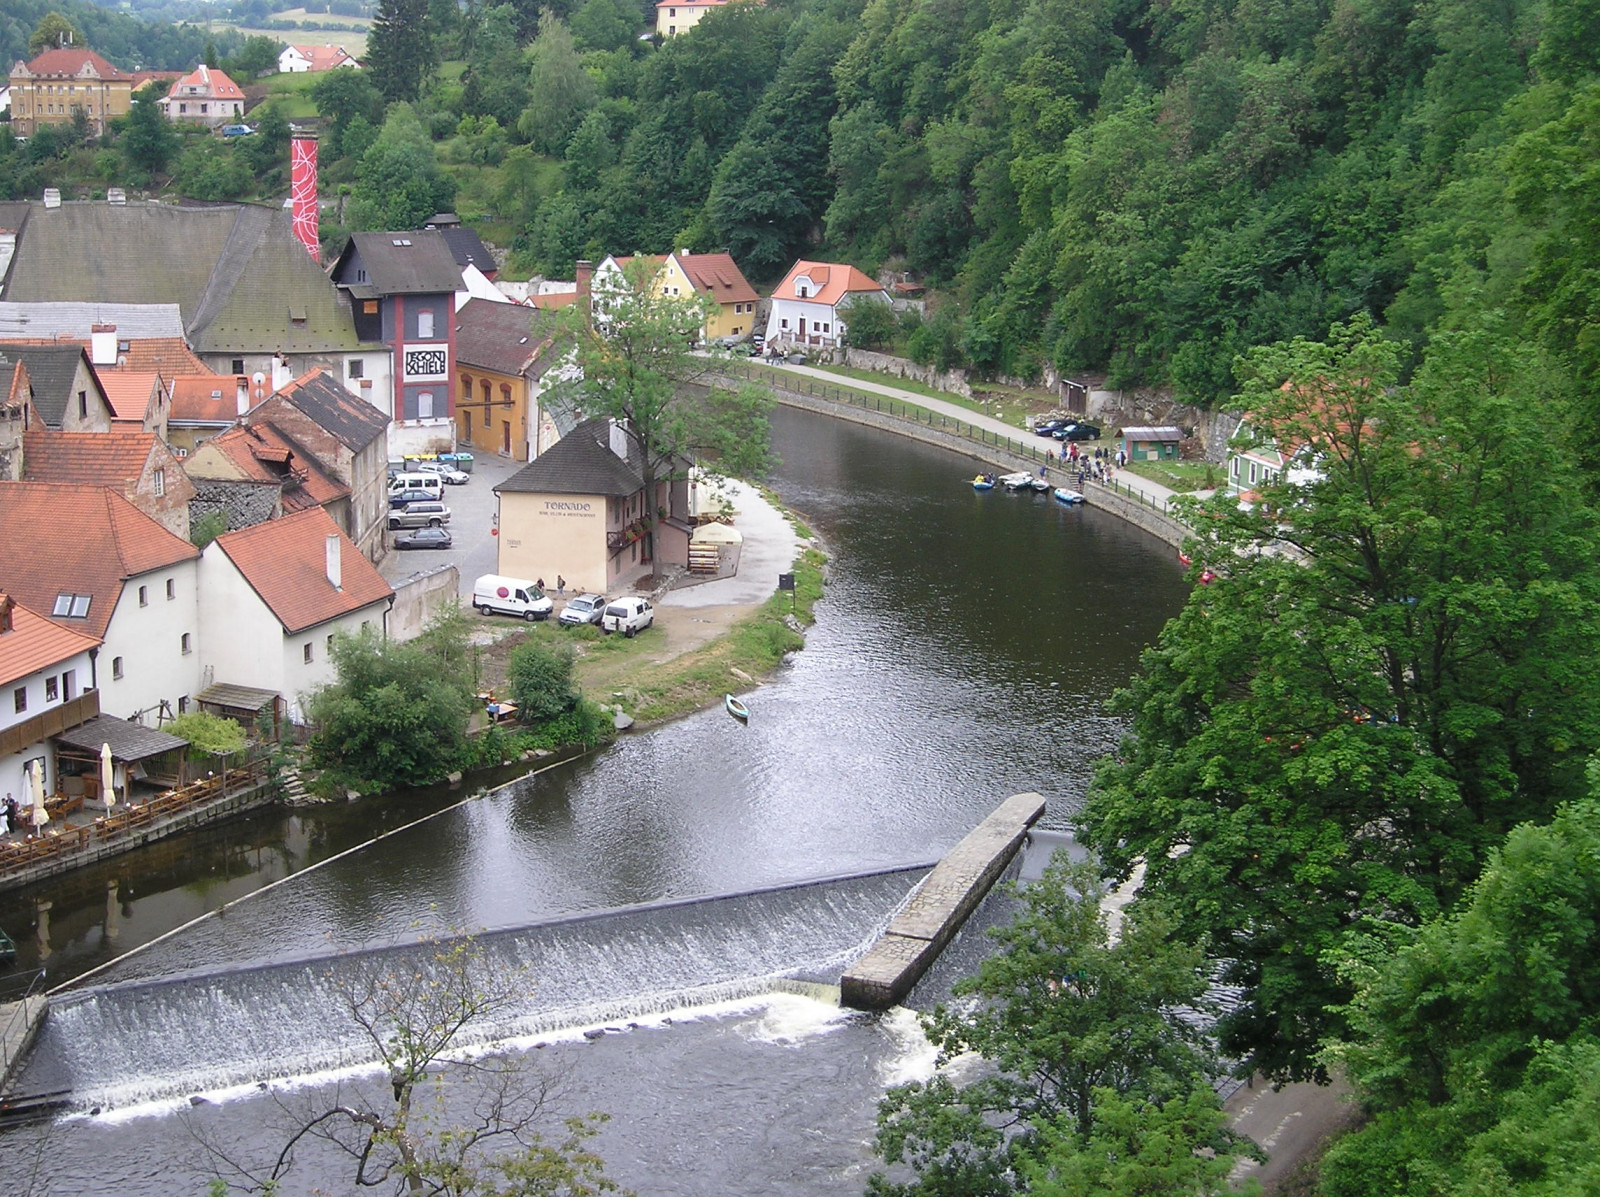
(1140,501)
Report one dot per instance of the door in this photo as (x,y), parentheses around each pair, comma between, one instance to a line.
(505,437)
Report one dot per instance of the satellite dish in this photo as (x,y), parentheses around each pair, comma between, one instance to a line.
(258,378)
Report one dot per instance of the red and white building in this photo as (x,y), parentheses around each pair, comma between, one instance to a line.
(299,60)
(809,306)
(206,97)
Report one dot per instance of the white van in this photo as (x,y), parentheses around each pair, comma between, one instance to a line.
(628,615)
(511,596)
(431,483)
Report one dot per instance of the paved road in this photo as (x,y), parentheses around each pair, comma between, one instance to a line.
(472,511)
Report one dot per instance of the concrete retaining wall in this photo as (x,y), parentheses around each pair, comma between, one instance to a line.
(419,598)
(930,920)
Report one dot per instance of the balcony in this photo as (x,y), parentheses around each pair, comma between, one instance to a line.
(50,722)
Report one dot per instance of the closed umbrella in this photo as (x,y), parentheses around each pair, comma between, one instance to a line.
(40,815)
(108,789)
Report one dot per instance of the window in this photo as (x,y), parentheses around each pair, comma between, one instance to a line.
(172,589)
(19,699)
(1252,473)
(144,596)
(71,606)
(52,688)
(183,703)
(357,368)
(784,323)
(238,366)
(308,652)
(425,324)
(161,483)
(69,689)
(83,405)
(425,405)
(116,669)
(330,646)
(183,644)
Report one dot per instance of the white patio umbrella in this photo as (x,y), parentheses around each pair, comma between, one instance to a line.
(108,789)
(36,783)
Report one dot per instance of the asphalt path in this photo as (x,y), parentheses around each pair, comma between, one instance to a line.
(472,512)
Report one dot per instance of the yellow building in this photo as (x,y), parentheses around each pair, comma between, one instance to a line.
(503,351)
(677,16)
(50,88)
(711,276)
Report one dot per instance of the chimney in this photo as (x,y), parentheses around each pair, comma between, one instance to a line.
(303,191)
(116,195)
(619,439)
(683,253)
(585,269)
(103,344)
(241,393)
(334,564)
(52,197)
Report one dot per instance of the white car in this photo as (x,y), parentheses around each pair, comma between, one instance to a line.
(629,615)
(447,473)
(585,608)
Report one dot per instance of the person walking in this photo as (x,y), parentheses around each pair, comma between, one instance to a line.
(561,584)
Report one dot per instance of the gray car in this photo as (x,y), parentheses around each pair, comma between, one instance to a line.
(428,514)
(585,608)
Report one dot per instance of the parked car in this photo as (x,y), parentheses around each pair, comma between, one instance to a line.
(585,608)
(629,615)
(424,538)
(1077,432)
(446,471)
(237,130)
(511,596)
(404,498)
(1049,427)
(426,514)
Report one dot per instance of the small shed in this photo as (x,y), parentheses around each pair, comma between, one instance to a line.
(1151,444)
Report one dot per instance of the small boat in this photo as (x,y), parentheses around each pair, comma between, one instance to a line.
(1039,485)
(1016,481)
(736,708)
(983,482)
(1069,497)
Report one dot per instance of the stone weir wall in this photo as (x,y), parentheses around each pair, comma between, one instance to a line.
(1003,457)
(935,913)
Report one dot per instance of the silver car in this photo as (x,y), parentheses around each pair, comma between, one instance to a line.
(585,608)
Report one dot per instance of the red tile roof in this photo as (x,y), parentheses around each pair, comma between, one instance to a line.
(71,60)
(204,399)
(132,393)
(115,459)
(325,58)
(285,562)
(263,454)
(717,276)
(167,356)
(64,539)
(34,643)
(832,282)
(211,82)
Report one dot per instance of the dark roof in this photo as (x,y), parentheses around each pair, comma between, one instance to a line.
(504,337)
(580,463)
(353,423)
(418,262)
(468,248)
(51,370)
(240,698)
(242,281)
(129,741)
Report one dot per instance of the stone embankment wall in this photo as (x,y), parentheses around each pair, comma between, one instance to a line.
(419,598)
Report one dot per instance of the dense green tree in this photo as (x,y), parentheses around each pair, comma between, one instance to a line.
(52,32)
(539,676)
(342,97)
(400,52)
(869,324)
(496,79)
(148,140)
(1083,1031)
(606,24)
(559,91)
(1388,674)
(256,55)
(399,184)
(397,714)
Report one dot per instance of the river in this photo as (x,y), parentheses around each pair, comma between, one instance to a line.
(964,652)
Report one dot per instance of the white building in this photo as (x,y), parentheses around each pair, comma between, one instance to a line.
(90,561)
(275,596)
(809,305)
(206,97)
(44,671)
(296,60)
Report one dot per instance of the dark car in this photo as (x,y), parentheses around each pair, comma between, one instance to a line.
(399,498)
(1049,427)
(423,538)
(1077,432)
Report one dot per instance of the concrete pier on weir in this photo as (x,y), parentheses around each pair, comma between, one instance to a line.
(950,893)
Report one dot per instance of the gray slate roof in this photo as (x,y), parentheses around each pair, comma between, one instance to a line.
(129,741)
(505,337)
(354,424)
(468,248)
(580,463)
(51,369)
(1145,433)
(134,321)
(418,262)
(235,271)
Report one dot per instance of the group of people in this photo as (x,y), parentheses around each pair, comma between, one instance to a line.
(1101,466)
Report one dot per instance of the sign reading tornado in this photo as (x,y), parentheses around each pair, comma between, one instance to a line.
(303,191)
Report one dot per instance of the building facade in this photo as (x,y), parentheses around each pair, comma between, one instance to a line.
(53,87)
(205,96)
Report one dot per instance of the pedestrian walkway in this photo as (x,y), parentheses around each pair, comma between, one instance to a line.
(1153,492)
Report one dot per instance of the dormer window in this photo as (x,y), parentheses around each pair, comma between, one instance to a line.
(71,606)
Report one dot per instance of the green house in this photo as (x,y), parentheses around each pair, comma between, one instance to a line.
(1151,444)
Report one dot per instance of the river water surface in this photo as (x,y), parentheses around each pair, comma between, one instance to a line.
(964,652)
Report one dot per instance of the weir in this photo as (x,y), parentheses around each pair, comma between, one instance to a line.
(117,1045)
(917,935)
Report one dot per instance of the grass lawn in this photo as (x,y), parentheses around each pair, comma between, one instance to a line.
(1183,476)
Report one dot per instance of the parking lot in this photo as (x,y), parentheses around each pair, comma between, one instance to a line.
(472,511)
